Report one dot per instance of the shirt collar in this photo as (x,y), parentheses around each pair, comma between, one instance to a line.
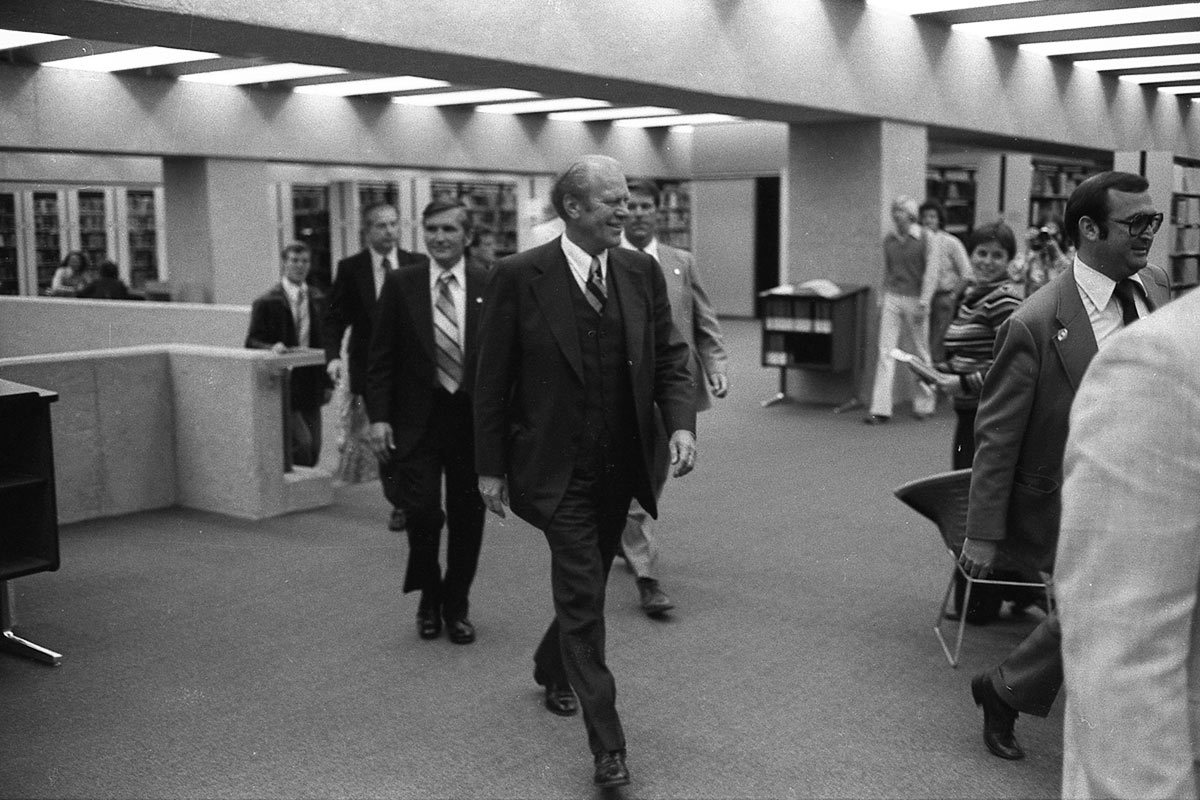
(459,270)
(377,259)
(1096,285)
(292,290)
(581,260)
(651,248)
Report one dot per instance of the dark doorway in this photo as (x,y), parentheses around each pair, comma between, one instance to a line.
(766,235)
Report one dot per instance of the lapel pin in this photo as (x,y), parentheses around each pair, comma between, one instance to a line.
(478,299)
(1062,334)
(677,270)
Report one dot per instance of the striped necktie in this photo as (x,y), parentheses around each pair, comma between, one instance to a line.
(445,334)
(300,312)
(594,291)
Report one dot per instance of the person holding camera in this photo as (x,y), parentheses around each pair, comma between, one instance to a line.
(1047,256)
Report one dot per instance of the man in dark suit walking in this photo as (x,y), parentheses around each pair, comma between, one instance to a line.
(356,287)
(1042,351)
(288,315)
(576,349)
(419,373)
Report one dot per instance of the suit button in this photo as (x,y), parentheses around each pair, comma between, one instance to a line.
(591,334)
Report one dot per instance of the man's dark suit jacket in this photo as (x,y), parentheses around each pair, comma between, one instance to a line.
(352,303)
(271,321)
(529,389)
(402,363)
(1041,353)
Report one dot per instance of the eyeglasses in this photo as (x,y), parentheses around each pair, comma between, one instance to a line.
(1140,223)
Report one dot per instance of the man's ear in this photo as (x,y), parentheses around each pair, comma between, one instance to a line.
(1090,231)
(572,206)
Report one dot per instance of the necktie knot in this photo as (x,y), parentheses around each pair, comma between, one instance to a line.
(385,263)
(1125,291)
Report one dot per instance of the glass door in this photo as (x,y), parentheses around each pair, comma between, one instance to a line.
(10,282)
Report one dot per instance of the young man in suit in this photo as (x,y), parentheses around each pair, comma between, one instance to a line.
(1042,351)
(1128,565)
(288,315)
(576,349)
(420,370)
(356,287)
(697,323)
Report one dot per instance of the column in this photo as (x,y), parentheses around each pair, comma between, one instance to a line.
(841,180)
(221,229)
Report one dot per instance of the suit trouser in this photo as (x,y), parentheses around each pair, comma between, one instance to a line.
(414,485)
(306,436)
(583,536)
(1030,676)
(637,541)
(899,315)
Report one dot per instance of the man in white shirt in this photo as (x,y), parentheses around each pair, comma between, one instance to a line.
(950,268)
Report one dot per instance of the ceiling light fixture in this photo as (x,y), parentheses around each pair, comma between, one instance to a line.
(11,39)
(136,58)
(468,97)
(544,106)
(265,73)
(677,119)
(914,7)
(1138,62)
(402,83)
(1161,77)
(1067,47)
(1189,89)
(601,114)
(1082,19)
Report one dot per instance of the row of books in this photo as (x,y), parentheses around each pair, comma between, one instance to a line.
(780,350)
(799,324)
(1185,270)
(1185,209)
(1187,178)
(1187,239)
(1055,180)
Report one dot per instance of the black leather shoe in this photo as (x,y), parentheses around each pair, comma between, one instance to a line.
(559,697)
(876,419)
(460,631)
(429,622)
(611,770)
(396,521)
(998,719)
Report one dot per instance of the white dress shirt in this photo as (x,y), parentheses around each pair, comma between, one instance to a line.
(581,263)
(1104,311)
(377,267)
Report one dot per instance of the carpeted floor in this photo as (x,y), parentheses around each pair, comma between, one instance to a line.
(206,657)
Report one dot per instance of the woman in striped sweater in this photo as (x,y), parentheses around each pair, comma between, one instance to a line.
(984,305)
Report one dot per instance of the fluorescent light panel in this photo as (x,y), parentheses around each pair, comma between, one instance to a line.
(1161,77)
(677,119)
(10,39)
(1065,48)
(402,83)
(1191,89)
(265,73)
(1084,19)
(599,114)
(912,7)
(137,58)
(1138,62)
(468,97)
(544,106)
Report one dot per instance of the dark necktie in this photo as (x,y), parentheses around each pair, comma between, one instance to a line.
(445,334)
(594,290)
(1124,292)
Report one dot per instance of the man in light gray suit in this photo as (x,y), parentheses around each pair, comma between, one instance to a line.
(696,321)
(1128,567)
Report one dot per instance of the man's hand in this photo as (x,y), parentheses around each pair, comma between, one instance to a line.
(977,557)
(279,348)
(334,370)
(949,383)
(380,438)
(718,384)
(494,492)
(683,452)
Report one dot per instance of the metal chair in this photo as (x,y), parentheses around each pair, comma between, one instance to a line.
(942,499)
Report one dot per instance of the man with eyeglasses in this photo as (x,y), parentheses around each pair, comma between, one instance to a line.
(1041,354)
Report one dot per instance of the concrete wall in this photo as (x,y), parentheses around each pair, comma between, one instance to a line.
(148,427)
(39,325)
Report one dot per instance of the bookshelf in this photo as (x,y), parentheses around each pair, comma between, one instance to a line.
(142,236)
(10,281)
(804,329)
(954,189)
(1051,185)
(48,247)
(675,214)
(29,537)
(310,225)
(1185,225)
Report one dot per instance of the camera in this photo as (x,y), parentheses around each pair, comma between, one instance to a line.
(1041,238)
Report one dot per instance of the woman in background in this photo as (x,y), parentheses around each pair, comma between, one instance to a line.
(985,304)
(71,275)
(1047,255)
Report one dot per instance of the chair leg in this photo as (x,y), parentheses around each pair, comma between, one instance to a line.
(941,620)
